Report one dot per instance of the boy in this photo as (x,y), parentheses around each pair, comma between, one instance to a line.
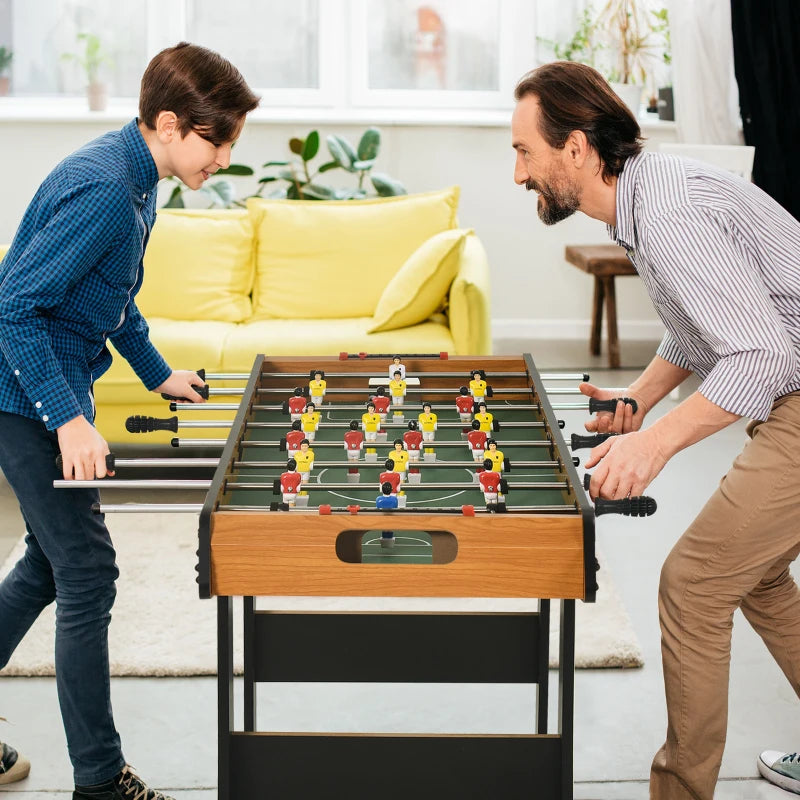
(66,286)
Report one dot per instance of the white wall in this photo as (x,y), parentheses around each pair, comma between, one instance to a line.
(534,292)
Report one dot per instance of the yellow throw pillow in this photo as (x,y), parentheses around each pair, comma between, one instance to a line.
(199,265)
(333,259)
(418,288)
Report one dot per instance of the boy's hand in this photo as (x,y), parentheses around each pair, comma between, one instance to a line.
(83,450)
(623,420)
(180,384)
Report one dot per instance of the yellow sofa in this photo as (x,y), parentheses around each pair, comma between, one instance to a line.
(301,278)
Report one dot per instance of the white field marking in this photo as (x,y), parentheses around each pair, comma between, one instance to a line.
(404,539)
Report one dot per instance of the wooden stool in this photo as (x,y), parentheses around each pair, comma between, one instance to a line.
(605,262)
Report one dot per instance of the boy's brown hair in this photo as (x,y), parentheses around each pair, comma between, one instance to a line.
(574,96)
(204,90)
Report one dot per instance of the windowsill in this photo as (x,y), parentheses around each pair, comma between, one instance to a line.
(61,110)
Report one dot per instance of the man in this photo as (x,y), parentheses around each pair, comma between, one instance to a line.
(720,261)
(67,286)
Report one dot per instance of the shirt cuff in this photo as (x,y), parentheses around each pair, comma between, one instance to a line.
(55,403)
(734,389)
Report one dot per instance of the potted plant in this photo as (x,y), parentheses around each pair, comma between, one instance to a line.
(92,59)
(6,57)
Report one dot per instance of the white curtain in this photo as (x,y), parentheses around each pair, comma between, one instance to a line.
(703,80)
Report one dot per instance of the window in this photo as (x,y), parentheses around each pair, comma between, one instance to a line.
(324,53)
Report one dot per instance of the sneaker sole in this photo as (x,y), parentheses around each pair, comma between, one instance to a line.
(784,781)
(18,772)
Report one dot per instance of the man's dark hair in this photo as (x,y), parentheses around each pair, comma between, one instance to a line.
(576,97)
(204,90)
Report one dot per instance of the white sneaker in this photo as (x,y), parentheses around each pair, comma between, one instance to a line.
(782,769)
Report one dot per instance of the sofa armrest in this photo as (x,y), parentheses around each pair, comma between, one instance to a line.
(3,250)
(470,324)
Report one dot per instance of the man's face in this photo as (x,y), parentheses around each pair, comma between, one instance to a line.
(540,167)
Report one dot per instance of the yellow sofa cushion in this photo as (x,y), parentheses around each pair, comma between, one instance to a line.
(421,284)
(199,265)
(332,259)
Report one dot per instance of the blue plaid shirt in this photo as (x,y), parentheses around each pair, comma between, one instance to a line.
(68,282)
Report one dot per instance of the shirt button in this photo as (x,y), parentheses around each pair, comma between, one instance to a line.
(144,196)
(45,418)
(38,404)
(16,372)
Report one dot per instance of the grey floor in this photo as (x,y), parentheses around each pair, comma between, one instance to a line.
(168,725)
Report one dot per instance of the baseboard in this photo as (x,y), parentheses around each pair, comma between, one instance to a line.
(573,329)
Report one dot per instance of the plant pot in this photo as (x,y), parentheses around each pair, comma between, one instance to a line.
(97,93)
(630,94)
(5,81)
(666,105)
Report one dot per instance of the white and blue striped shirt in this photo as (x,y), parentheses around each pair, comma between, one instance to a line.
(721,262)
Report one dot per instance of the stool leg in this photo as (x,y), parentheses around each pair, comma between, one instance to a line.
(611,315)
(597,316)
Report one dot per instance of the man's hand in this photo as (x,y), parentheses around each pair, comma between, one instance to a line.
(628,464)
(623,420)
(180,384)
(83,450)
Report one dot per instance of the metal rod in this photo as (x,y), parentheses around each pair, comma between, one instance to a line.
(166,462)
(551,509)
(412,464)
(324,487)
(110,483)
(288,391)
(385,424)
(463,444)
(176,442)
(148,508)
(244,376)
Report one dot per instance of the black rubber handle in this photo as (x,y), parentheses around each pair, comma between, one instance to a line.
(576,462)
(579,442)
(110,462)
(201,373)
(201,390)
(631,506)
(140,424)
(611,405)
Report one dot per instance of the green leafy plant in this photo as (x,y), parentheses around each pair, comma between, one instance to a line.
(301,181)
(582,46)
(92,58)
(6,57)
(217,193)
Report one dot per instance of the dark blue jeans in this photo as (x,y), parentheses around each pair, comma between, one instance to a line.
(69,559)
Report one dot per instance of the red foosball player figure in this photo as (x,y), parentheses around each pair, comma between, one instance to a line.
(494,455)
(381,401)
(397,366)
(390,476)
(353,442)
(370,422)
(316,388)
(428,422)
(397,388)
(484,417)
(399,457)
(412,439)
(465,404)
(294,437)
(304,458)
(476,439)
(290,482)
(297,404)
(309,421)
(477,386)
(492,484)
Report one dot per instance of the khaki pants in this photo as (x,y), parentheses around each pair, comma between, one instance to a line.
(736,554)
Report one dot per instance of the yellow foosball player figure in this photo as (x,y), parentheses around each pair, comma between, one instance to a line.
(427,422)
(397,388)
(399,457)
(309,421)
(304,458)
(290,482)
(484,417)
(397,366)
(316,387)
(370,423)
(477,386)
(494,455)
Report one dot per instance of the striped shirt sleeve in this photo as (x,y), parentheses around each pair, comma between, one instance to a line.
(669,351)
(133,343)
(723,299)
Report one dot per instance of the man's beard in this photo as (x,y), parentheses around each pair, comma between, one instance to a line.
(554,205)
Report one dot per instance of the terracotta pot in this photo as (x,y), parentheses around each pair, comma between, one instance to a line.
(4,84)
(98,96)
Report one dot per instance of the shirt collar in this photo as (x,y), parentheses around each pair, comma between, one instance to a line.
(624,233)
(144,173)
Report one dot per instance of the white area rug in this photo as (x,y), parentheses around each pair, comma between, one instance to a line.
(160,627)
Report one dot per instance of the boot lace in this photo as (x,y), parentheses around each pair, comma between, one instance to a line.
(135,789)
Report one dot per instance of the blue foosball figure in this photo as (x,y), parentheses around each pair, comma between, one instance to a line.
(386,501)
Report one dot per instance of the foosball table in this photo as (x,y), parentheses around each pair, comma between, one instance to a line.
(441,535)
